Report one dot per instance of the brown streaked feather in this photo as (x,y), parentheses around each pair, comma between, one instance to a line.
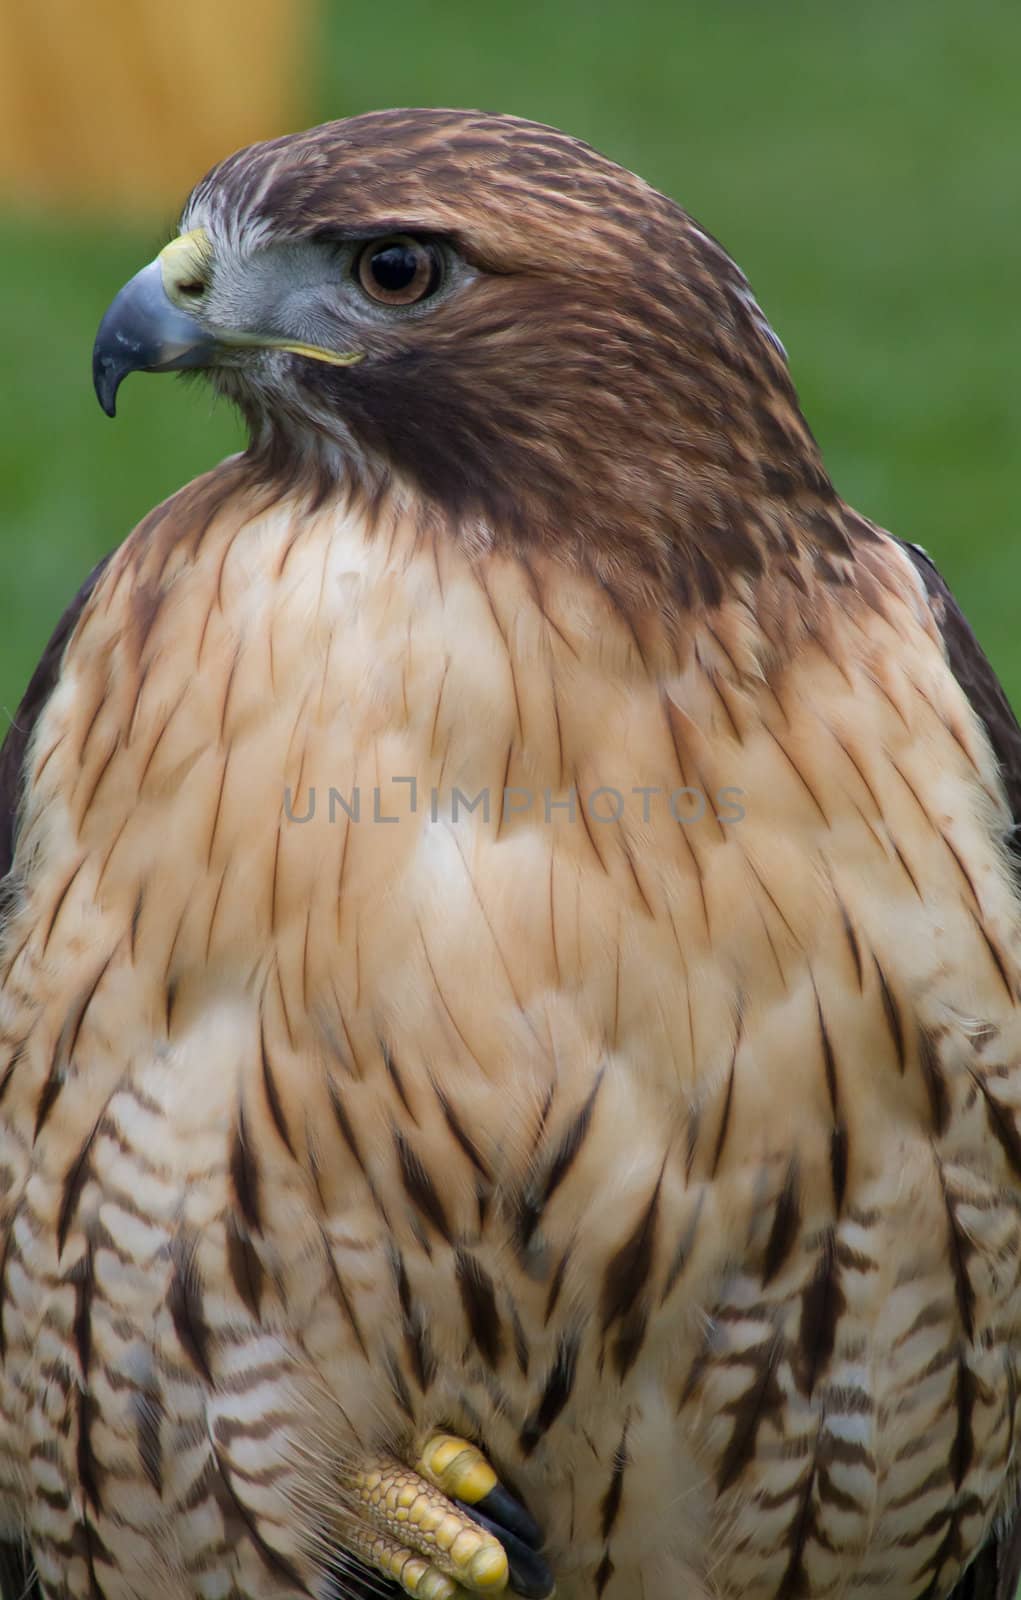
(979,682)
(384,1109)
(16,741)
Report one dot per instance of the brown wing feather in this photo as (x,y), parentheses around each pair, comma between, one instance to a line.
(18,1580)
(979,682)
(41,686)
(995,1574)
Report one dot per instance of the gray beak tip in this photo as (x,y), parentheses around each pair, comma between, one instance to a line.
(106,380)
(143,331)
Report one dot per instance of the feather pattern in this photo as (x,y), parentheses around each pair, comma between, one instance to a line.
(561,989)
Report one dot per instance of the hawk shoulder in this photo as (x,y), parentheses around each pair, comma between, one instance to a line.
(971,668)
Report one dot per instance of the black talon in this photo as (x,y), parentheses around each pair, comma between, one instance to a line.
(500,1506)
(530,1576)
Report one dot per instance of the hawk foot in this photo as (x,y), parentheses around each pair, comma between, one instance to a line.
(448,1528)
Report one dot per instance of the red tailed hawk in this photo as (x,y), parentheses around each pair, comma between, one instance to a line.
(510,1048)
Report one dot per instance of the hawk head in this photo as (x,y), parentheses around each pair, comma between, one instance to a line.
(487,316)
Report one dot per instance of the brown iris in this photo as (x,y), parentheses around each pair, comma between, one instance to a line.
(399,270)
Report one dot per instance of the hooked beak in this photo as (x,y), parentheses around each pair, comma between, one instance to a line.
(149,328)
(144,330)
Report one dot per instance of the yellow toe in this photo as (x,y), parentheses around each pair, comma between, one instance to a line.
(414,1572)
(488,1569)
(457,1468)
(414,1533)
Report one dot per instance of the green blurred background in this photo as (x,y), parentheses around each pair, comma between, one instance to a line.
(860,161)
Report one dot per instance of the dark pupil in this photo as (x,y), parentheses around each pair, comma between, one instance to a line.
(395,267)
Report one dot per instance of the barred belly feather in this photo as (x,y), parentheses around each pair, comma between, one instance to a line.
(671,1153)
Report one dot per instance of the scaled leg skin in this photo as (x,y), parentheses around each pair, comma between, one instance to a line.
(447,1527)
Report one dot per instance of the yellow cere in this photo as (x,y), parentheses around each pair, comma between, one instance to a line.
(184,261)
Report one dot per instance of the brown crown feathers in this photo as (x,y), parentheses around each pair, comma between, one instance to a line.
(605,388)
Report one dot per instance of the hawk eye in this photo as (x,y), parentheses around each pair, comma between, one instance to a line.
(399,271)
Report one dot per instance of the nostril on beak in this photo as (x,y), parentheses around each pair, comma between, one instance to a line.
(185,267)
